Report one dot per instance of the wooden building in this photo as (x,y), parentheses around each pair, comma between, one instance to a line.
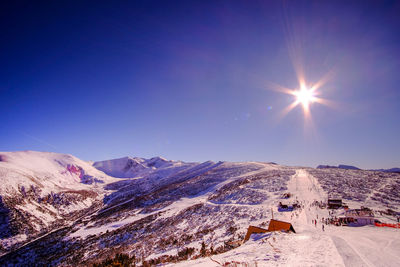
(334,203)
(274,225)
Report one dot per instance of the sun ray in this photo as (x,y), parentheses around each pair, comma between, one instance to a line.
(326,102)
(279,88)
(289,108)
(328,76)
(305,95)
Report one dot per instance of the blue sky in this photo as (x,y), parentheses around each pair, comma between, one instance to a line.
(189,80)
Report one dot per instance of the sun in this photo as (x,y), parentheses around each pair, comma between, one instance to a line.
(304,96)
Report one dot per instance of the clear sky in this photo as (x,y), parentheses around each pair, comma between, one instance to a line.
(190,80)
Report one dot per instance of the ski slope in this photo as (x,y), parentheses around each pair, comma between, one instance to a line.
(157,208)
(311,246)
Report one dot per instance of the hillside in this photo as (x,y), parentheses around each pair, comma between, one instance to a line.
(41,191)
(129,167)
(171,211)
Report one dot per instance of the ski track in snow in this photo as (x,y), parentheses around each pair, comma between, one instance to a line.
(310,246)
(355,245)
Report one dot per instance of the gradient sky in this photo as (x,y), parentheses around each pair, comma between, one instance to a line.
(189,80)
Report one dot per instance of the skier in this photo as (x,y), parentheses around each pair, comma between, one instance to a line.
(323,228)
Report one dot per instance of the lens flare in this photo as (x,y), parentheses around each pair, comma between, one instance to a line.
(304,96)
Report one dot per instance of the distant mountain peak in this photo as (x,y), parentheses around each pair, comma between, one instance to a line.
(340,166)
(396,170)
(129,167)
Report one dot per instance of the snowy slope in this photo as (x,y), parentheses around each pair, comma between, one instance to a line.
(312,246)
(40,191)
(173,206)
(51,171)
(186,214)
(129,167)
(380,190)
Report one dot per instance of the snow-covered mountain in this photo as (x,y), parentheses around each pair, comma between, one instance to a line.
(349,167)
(340,166)
(389,170)
(41,191)
(160,211)
(129,167)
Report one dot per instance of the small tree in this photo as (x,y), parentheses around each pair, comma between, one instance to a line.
(203,250)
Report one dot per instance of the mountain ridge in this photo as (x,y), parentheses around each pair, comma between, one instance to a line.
(165,209)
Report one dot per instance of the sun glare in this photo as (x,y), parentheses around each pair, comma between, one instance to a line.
(304,96)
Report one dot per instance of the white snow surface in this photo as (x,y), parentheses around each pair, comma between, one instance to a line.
(172,209)
(310,246)
(52,172)
(130,167)
(32,182)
